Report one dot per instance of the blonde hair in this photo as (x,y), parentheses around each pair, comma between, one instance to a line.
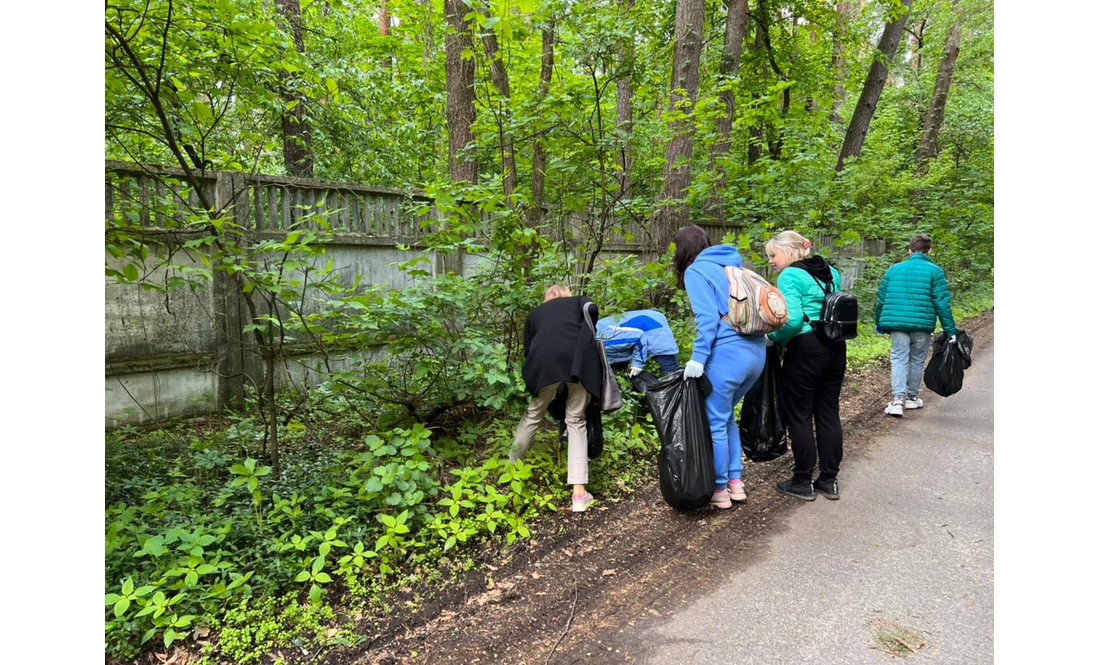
(792,243)
(557,291)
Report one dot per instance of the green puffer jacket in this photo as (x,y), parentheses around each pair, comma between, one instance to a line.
(804,296)
(912,294)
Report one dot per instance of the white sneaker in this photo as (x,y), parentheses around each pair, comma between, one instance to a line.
(914,403)
(895,408)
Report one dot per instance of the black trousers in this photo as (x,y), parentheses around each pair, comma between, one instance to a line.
(810,379)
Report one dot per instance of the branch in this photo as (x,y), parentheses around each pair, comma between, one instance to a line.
(567,623)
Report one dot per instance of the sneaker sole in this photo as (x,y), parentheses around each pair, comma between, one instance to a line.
(830,497)
(580,509)
(799,496)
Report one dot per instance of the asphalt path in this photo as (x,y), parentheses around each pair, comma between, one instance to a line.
(907,553)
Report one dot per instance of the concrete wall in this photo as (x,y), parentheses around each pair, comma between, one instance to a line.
(180,353)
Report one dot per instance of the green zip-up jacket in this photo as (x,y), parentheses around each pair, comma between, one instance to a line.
(804,296)
(913,293)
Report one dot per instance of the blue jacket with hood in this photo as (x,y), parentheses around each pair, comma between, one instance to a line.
(636,336)
(708,290)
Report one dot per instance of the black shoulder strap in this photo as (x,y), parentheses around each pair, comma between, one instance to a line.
(826,287)
(823,284)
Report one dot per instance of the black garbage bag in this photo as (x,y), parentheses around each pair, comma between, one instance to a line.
(944,373)
(593,421)
(763,434)
(685,464)
(641,382)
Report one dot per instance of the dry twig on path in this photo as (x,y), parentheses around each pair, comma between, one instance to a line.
(567,623)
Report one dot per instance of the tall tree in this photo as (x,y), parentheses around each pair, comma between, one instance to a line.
(757,47)
(624,100)
(499,76)
(538,156)
(728,69)
(384,18)
(461,156)
(685,85)
(872,87)
(297,143)
(933,120)
(840,63)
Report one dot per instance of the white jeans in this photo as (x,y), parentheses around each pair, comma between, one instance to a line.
(575,404)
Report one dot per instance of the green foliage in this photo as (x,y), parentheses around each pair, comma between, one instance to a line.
(251,629)
(396,462)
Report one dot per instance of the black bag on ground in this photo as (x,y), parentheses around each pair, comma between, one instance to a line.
(685,464)
(944,373)
(641,383)
(763,434)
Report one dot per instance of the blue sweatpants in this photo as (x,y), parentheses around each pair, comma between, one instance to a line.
(735,364)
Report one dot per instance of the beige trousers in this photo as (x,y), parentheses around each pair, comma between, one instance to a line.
(575,404)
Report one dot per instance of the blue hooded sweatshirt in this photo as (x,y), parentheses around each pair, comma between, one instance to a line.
(709,293)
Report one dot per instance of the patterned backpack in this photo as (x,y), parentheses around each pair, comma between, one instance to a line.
(756,307)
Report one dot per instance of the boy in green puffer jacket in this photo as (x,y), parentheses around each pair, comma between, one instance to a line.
(913,294)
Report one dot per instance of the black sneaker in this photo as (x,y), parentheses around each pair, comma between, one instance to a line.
(828,488)
(804,491)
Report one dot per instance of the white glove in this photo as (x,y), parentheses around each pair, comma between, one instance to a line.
(635,371)
(951,339)
(693,370)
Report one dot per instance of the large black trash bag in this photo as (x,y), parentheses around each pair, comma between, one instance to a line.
(944,374)
(763,434)
(685,464)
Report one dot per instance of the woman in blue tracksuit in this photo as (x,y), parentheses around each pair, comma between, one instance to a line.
(732,361)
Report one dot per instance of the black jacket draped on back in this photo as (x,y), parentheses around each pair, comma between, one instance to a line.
(559,346)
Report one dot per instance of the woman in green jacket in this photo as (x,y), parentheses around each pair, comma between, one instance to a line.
(812,370)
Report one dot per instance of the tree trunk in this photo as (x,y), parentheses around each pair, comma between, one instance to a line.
(685,85)
(384,19)
(499,76)
(461,153)
(729,68)
(756,133)
(538,156)
(297,144)
(872,88)
(272,416)
(384,22)
(918,44)
(933,120)
(624,98)
(840,63)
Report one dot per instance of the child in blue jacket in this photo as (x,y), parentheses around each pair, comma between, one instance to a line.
(637,336)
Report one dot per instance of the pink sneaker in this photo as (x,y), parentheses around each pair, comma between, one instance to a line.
(737,490)
(721,499)
(580,503)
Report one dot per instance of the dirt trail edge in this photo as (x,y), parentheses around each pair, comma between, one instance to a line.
(551,599)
